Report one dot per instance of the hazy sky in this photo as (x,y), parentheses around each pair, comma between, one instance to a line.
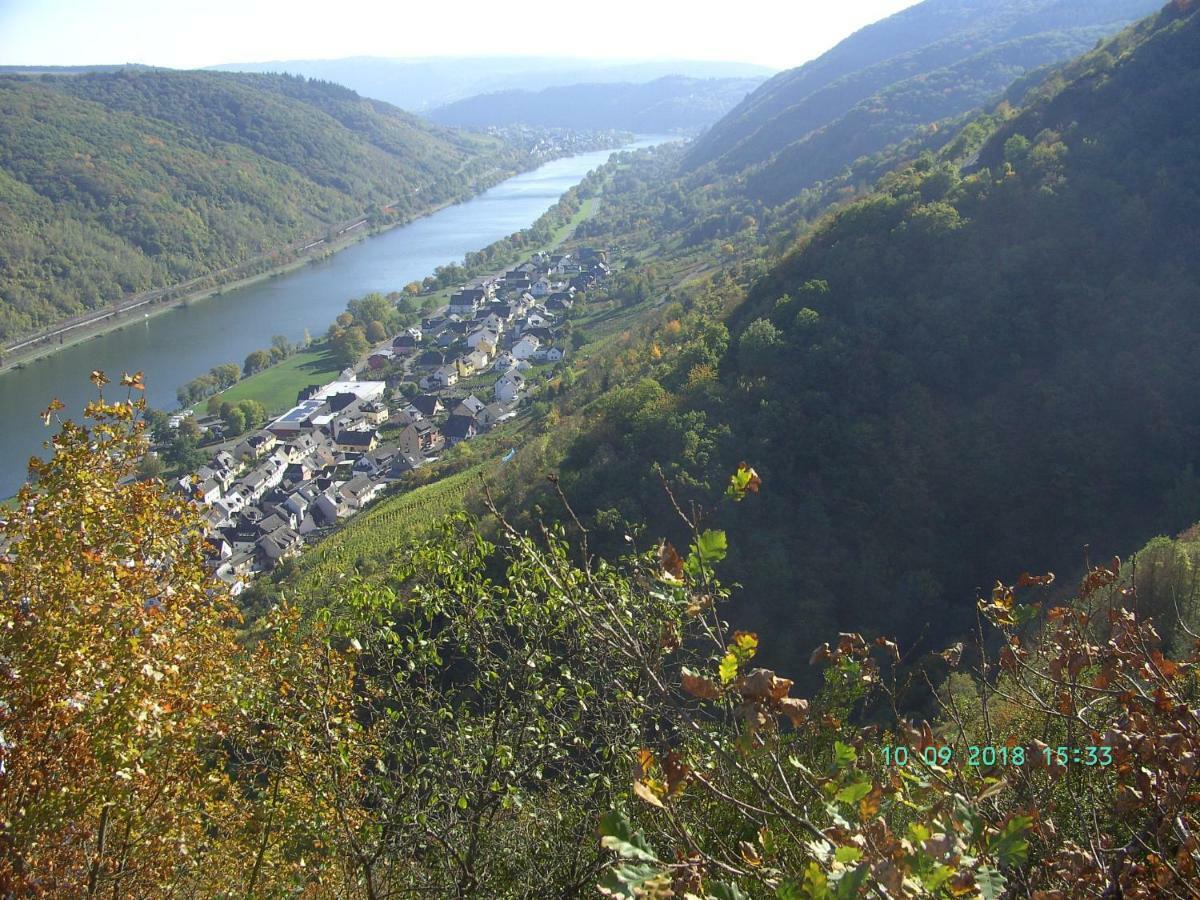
(193,33)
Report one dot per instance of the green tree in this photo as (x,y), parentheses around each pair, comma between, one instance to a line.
(256,362)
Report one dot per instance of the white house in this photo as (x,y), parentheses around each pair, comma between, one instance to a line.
(485,335)
(477,360)
(504,362)
(508,388)
(525,347)
(540,288)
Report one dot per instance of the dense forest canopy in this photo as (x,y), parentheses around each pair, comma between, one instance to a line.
(1006,328)
(936,60)
(118,182)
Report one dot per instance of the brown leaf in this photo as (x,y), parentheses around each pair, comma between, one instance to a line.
(952,655)
(98,378)
(642,790)
(795,709)
(763,684)
(643,763)
(821,654)
(698,686)
(670,561)
(868,806)
(1027,580)
(677,773)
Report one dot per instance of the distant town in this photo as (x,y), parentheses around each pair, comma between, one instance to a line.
(328,458)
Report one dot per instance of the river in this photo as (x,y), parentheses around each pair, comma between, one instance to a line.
(177,345)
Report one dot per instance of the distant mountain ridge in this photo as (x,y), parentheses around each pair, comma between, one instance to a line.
(673,103)
(938,59)
(113,183)
(423,84)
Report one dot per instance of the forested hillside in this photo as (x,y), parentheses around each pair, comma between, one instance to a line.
(986,364)
(938,59)
(117,182)
(674,103)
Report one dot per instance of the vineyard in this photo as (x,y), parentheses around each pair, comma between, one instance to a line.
(366,541)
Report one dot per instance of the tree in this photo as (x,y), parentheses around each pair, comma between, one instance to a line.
(349,345)
(256,362)
(117,670)
(413,288)
(254,412)
(376,332)
(235,420)
(756,347)
(226,375)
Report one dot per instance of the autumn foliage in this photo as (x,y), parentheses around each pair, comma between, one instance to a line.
(504,715)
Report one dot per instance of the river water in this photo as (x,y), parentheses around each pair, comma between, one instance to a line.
(177,345)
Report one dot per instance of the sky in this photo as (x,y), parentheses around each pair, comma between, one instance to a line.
(194,33)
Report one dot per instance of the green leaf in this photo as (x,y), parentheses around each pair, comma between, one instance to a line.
(788,890)
(728,668)
(617,834)
(936,877)
(631,881)
(852,793)
(849,886)
(847,854)
(918,833)
(1009,846)
(725,891)
(843,755)
(707,550)
(991,882)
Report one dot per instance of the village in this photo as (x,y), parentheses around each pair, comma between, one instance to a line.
(344,443)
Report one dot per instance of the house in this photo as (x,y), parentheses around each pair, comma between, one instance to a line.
(431,359)
(380,358)
(404,344)
(508,388)
(459,428)
(465,300)
(446,376)
(477,360)
(256,446)
(427,405)
(375,413)
(280,544)
(540,288)
(377,463)
(495,413)
(484,335)
(331,506)
(359,491)
(554,354)
(301,447)
(468,406)
(525,347)
(357,441)
(504,362)
(420,439)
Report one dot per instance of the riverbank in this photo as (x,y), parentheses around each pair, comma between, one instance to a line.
(314,251)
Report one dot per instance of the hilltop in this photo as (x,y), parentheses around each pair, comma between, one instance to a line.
(933,61)
(118,182)
(667,104)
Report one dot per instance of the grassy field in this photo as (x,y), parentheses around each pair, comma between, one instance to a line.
(276,387)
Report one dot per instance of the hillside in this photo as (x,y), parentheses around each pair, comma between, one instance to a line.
(981,368)
(938,59)
(112,183)
(665,105)
(423,84)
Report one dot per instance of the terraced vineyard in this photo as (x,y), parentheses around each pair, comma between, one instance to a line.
(365,542)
